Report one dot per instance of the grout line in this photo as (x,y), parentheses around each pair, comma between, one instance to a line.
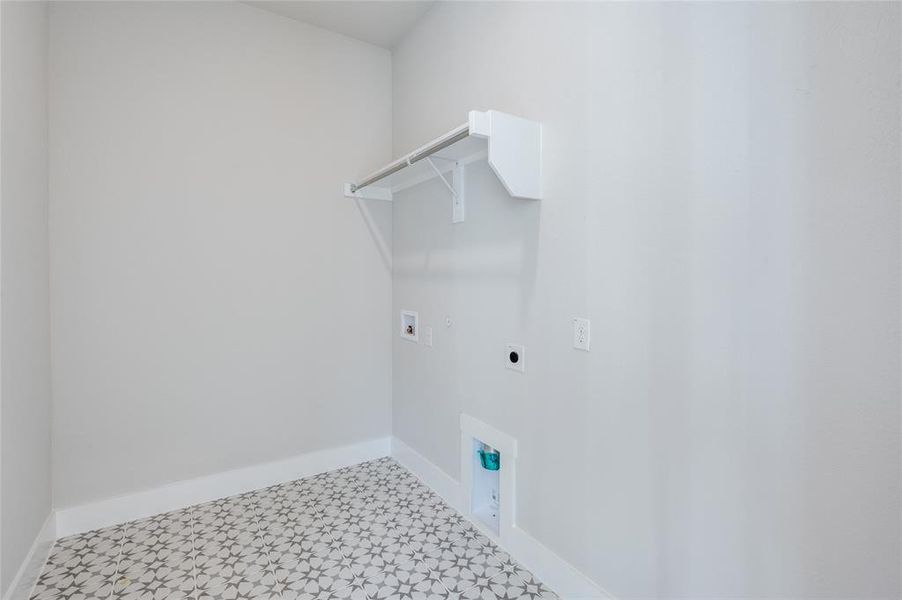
(338,547)
(196,592)
(260,532)
(358,581)
(118,560)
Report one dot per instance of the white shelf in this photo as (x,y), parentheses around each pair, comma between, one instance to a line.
(512,146)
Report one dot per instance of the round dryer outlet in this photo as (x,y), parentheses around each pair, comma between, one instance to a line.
(515,357)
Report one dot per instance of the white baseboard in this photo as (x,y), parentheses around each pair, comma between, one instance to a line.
(174,496)
(443,484)
(23,583)
(554,571)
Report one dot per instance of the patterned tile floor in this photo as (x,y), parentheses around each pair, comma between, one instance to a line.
(367,532)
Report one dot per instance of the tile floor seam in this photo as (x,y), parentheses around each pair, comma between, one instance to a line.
(329,530)
(118,561)
(261,533)
(358,581)
(194,593)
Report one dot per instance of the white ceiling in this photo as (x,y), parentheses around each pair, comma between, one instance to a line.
(383,23)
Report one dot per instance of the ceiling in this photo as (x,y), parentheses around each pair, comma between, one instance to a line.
(382,23)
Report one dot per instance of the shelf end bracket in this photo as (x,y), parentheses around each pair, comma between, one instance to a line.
(367,193)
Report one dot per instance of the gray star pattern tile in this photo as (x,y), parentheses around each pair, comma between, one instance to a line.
(367,532)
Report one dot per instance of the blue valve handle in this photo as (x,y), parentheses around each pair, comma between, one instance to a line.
(491,461)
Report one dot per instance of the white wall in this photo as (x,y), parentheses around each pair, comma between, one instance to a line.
(24,314)
(216,301)
(723,196)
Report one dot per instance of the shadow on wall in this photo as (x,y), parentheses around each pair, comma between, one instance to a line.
(379,228)
(497,243)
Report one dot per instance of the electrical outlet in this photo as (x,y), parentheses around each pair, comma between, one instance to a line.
(581,333)
(427,336)
(515,357)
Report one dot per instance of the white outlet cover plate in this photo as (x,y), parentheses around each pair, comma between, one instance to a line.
(520,351)
(581,333)
(427,336)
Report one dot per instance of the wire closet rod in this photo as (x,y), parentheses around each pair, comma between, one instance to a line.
(440,143)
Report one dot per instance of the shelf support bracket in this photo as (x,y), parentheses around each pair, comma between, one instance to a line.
(455,186)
